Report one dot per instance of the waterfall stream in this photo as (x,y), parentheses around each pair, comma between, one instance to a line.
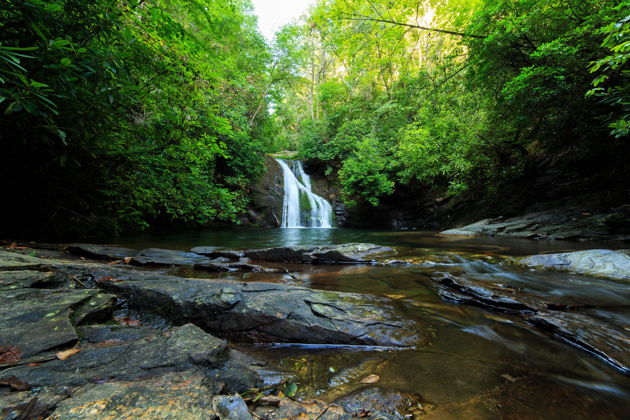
(302,208)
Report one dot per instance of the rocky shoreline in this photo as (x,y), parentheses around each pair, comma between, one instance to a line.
(89,331)
(112,335)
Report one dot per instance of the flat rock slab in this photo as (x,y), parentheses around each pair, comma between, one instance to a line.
(15,261)
(157,257)
(177,396)
(595,262)
(355,253)
(11,280)
(181,348)
(268,312)
(38,320)
(101,252)
(216,252)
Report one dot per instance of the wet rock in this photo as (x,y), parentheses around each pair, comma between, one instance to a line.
(286,408)
(587,329)
(332,254)
(38,320)
(101,252)
(594,262)
(215,252)
(102,333)
(267,312)
(156,257)
(10,280)
(230,407)
(381,401)
(180,396)
(182,348)
(559,223)
(15,261)
(99,307)
(603,340)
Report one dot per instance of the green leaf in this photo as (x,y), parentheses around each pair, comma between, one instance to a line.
(290,389)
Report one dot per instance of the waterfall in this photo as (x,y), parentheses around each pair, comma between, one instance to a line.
(302,208)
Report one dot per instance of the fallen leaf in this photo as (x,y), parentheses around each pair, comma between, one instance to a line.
(127,260)
(114,262)
(33,364)
(362,413)
(370,379)
(508,378)
(107,278)
(10,354)
(63,355)
(109,343)
(15,383)
(290,389)
(125,320)
(14,245)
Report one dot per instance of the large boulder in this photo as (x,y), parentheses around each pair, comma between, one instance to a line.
(594,262)
(355,253)
(268,312)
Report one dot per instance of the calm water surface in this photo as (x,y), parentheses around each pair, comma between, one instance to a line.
(473,364)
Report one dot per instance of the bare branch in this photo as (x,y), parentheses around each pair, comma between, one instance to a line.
(424,28)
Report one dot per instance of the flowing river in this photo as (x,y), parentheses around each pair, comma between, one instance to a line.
(474,363)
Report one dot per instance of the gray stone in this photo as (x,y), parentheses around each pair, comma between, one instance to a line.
(230,407)
(15,261)
(382,401)
(594,262)
(268,312)
(175,395)
(38,320)
(157,257)
(11,280)
(101,252)
(332,254)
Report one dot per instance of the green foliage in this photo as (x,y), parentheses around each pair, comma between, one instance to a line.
(397,107)
(127,114)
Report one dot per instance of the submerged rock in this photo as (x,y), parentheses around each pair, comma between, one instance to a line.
(586,330)
(379,401)
(268,312)
(101,252)
(331,254)
(594,262)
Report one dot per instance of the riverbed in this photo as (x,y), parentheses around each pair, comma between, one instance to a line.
(473,363)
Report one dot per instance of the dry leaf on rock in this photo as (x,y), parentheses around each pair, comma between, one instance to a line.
(370,379)
(10,354)
(63,355)
(15,383)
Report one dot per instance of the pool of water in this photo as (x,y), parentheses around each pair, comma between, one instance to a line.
(472,363)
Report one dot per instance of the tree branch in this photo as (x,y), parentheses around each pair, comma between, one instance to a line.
(424,28)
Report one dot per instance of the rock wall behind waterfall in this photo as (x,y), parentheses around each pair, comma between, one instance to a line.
(267,194)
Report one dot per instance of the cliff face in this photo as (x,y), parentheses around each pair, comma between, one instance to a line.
(267,194)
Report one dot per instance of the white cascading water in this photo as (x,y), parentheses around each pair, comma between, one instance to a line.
(297,193)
